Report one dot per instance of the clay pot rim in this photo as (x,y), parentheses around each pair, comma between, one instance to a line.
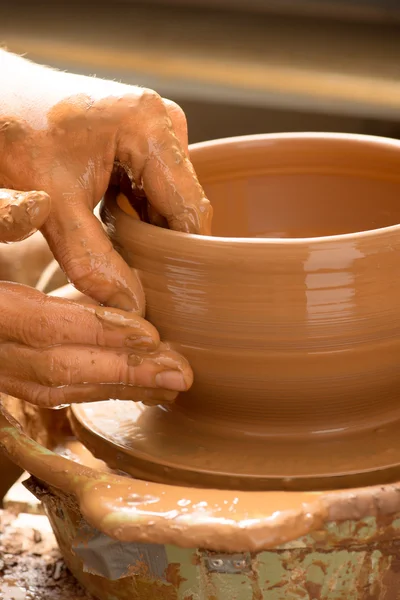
(166,236)
(114,517)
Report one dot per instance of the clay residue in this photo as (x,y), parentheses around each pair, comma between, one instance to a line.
(75,451)
(173,575)
(31,565)
(45,426)
(132,510)
(22,213)
(168,446)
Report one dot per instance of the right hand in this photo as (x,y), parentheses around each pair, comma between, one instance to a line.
(84,131)
(54,351)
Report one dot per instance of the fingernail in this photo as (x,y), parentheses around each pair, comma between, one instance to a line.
(140,342)
(170,363)
(171,380)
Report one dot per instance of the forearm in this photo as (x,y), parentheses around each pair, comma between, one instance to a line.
(23,85)
(29,90)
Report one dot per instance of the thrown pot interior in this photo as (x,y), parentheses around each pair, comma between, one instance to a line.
(302,203)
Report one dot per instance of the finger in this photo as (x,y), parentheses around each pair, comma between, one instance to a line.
(86,255)
(32,318)
(22,213)
(48,397)
(150,149)
(71,365)
(179,123)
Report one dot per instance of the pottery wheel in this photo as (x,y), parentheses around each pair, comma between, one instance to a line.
(168,446)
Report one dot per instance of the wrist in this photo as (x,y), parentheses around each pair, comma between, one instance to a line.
(29,90)
(24,86)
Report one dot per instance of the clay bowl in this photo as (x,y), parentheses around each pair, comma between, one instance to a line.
(288,314)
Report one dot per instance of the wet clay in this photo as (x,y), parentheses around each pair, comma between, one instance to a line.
(166,445)
(31,565)
(21,214)
(294,339)
(221,520)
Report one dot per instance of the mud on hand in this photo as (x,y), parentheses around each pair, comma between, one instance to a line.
(21,214)
(54,351)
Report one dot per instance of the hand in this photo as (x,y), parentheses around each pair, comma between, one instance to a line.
(65,136)
(54,351)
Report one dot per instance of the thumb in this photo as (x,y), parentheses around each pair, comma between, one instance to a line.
(21,214)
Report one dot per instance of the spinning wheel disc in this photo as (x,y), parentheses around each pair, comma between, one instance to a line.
(166,445)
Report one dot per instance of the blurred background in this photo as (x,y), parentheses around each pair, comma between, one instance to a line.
(235,66)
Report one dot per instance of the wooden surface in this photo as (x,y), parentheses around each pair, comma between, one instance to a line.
(31,567)
(254,59)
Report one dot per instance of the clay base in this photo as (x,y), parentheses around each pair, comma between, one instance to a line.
(168,446)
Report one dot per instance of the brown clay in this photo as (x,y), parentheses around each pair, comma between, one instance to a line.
(222,520)
(21,213)
(242,310)
(293,339)
(31,565)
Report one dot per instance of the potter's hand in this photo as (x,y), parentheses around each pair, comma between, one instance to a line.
(54,351)
(64,134)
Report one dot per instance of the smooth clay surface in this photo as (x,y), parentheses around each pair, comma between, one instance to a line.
(292,331)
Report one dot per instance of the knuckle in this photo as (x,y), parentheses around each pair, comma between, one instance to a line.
(125,374)
(99,335)
(46,397)
(33,330)
(149,99)
(176,113)
(13,129)
(85,271)
(54,370)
